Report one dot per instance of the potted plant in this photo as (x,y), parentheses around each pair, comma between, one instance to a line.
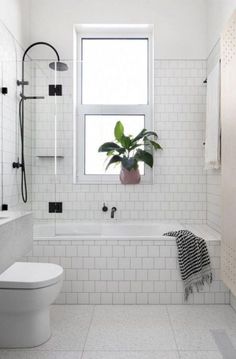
(129,151)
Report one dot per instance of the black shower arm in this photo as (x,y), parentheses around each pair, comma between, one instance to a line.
(40,43)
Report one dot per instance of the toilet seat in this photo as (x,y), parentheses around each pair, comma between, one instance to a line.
(26,275)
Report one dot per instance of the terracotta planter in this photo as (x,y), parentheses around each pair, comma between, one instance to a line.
(129,177)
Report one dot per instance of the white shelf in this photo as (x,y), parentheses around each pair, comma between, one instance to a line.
(50,156)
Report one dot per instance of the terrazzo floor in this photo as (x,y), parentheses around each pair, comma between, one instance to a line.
(136,332)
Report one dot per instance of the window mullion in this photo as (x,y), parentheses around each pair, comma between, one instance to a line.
(114,109)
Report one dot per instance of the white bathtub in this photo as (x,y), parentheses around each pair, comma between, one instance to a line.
(123,262)
(116,230)
(105,230)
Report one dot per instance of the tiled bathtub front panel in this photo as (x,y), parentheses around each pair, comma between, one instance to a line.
(125,272)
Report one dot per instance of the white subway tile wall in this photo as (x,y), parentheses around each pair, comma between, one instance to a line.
(125,272)
(214,176)
(178,191)
(214,199)
(10,71)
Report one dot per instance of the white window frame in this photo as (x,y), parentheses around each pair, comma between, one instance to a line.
(80,110)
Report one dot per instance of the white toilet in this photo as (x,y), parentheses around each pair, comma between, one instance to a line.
(26,292)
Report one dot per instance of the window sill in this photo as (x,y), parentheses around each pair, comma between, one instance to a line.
(110,179)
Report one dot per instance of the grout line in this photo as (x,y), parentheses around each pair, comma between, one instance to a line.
(90,324)
(223,343)
(130,351)
(173,332)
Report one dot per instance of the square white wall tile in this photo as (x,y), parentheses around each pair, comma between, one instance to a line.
(94,280)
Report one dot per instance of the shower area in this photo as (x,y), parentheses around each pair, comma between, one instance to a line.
(36,134)
(52,147)
(38,149)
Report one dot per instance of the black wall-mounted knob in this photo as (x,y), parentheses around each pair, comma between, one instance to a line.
(4,90)
(17,164)
(104,208)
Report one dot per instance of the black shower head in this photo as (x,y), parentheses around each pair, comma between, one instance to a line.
(58,66)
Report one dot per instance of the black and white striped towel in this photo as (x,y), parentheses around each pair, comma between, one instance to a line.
(194,260)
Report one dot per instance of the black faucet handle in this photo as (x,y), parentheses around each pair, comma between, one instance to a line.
(104,208)
(17,164)
(113,210)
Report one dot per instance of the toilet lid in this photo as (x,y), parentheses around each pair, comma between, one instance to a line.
(25,275)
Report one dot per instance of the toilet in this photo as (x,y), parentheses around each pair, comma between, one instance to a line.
(26,292)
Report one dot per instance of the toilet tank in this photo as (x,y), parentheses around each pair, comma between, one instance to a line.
(16,237)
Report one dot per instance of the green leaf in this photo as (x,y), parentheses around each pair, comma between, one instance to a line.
(118,131)
(144,156)
(139,136)
(155,145)
(110,153)
(114,159)
(125,141)
(129,163)
(151,133)
(109,146)
(135,146)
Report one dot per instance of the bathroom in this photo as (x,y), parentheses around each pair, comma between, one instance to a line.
(85,268)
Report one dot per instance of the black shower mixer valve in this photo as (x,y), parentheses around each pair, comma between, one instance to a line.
(17,165)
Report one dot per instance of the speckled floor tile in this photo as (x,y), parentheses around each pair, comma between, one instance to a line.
(200,355)
(130,355)
(26,354)
(192,325)
(130,328)
(70,325)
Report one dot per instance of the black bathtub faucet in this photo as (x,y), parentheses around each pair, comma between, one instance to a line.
(113,210)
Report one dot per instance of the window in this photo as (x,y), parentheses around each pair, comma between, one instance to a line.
(113,78)
(114,71)
(99,128)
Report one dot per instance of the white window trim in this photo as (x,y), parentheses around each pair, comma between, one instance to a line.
(80,110)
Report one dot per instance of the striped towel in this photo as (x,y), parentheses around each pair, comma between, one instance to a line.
(194,260)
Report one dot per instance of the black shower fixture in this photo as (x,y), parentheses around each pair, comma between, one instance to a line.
(4,90)
(56,66)
(60,66)
(54,90)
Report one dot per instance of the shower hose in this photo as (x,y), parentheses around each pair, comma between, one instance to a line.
(23,173)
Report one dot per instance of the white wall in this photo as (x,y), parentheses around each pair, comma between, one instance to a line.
(178,191)
(180,25)
(15,16)
(13,21)
(218,12)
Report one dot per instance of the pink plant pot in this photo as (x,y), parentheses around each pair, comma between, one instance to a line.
(129,177)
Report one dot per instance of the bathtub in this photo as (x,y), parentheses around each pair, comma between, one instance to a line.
(118,230)
(106,230)
(116,262)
